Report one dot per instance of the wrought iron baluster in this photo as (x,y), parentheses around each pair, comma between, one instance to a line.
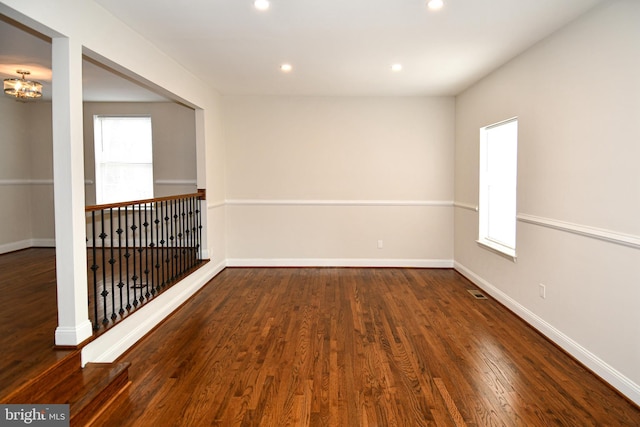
(127,255)
(112,262)
(187,236)
(174,229)
(167,261)
(94,268)
(104,292)
(194,231)
(146,252)
(187,231)
(199,245)
(134,278)
(190,229)
(138,253)
(182,236)
(120,283)
(140,256)
(162,241)
(155,255)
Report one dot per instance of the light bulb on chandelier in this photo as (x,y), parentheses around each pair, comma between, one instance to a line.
(22,88)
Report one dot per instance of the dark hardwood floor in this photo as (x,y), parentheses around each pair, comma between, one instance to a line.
(28,316)
(354,347)
(321,346)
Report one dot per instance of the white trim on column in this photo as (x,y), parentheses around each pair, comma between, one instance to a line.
(593,362)
(583,230)
(73,335)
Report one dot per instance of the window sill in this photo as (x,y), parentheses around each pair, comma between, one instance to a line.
(496,248)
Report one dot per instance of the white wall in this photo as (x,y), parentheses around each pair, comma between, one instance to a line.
(318,181)
(15,174)
(42,217)
(576,96)
(26,186)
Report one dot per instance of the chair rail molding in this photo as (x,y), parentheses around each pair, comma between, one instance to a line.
(30,181)
(305,202)
(468,206)
(582,230)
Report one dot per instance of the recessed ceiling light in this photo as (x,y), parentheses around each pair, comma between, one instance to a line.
(285,68)
(396,67)
(261,4)
(435,4)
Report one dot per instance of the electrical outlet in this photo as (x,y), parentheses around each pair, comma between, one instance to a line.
(380,244)
(542,290)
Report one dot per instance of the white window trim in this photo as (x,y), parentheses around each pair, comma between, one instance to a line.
(485,242)
(499,249)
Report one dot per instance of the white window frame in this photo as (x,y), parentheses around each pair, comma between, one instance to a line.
(498,179)
(102,159)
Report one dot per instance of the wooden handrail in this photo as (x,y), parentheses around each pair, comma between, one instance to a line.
(200,195)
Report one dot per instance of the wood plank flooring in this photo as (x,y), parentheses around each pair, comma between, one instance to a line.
(354,347)
(28,316)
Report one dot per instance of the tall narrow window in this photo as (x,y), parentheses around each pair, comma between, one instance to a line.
(498,176)
(124,158)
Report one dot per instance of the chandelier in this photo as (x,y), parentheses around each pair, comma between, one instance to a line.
(21,88)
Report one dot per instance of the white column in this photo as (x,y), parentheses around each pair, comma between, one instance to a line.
(201,177)
(74,325)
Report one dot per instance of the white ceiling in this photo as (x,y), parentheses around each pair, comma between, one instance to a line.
(344,47)
(336,47)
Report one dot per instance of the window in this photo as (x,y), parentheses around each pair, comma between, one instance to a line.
(124,160)
(498,173)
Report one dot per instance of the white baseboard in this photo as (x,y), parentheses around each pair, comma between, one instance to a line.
(43,243)
(110,345)
(27,243)
(339,262)
(616,379)
(15,246)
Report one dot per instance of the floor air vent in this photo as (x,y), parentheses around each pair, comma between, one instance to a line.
(476,294)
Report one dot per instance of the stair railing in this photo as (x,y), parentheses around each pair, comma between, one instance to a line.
(138,249)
